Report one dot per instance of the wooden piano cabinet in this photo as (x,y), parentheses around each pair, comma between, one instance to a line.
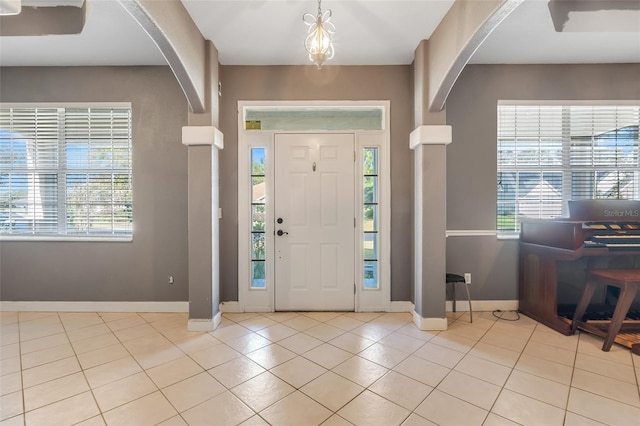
(538,285)
(556,254)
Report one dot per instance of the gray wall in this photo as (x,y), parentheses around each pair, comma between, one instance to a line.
(276,83)
(471,158)
(138,270)
(105,271)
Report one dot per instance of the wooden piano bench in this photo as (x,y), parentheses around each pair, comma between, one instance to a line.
(628,281)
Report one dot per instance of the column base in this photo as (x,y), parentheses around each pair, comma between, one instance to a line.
(433,324)
(204,324)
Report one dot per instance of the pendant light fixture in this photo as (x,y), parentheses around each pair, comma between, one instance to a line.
(318,41)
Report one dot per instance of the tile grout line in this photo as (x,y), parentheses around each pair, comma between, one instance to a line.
(514,368)
(456,364)
(299,389)
(301,355)
(146,374)
(83,375)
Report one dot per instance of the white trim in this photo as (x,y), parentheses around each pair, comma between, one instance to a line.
(204,324)
(65,104)
(61,306)
(492,305)
(63,238)
(401,306)
(471,233)
(262,300)
(483,305)
(200,325)
(508,236)
(258,309)
(235,307)
(217,319)
(572,102)
(437,324)
(406,306)
(202,135)
(218,139)
(252,300)
(298,105)
(230,307)
(374,300)
(430,135)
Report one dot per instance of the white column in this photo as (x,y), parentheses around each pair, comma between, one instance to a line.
(430,215)
(204,143)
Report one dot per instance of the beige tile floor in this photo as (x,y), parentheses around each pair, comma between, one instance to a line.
(307,369)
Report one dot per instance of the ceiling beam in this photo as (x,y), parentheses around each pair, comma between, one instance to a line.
(463,29)
(172,29)
(595,15)
(40,21)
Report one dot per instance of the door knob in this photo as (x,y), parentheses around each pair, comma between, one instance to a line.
(281,233)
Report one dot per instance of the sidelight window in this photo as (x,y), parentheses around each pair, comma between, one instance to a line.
(370,209)
(258,215)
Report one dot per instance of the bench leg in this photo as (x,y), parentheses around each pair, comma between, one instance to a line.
(627,293)
(587,294)
(466,286)
(453,286)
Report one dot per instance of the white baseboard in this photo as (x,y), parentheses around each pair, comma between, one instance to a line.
(217,319)
(437,324)
(406,306)
(40,306)
(230,307)
(401,307)
(233,306)
(200,325)
(483,305)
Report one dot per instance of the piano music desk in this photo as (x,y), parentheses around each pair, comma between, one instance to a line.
(628,281)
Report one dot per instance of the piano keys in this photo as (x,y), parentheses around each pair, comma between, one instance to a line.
(555,255)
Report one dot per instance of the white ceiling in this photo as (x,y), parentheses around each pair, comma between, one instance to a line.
(269,32)
(368,32)
(527,36)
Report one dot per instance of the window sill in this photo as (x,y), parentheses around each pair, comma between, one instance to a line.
(509,237)
(42,238)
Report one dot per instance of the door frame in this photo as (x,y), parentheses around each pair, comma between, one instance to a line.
(263,299)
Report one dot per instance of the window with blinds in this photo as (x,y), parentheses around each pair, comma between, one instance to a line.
(65,171)
(549,154)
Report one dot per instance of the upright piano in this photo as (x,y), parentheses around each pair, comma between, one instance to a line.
(556,253)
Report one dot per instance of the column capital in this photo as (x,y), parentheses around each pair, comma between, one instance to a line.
(202,135)
(430,135)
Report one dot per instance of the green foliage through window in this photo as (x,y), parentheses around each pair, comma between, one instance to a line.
(258,217)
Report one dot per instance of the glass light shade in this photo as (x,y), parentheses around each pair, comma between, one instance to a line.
(10,7)
(318,41)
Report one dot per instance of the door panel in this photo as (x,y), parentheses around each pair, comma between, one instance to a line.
(314,196)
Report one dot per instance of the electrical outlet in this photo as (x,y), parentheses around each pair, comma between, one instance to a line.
(467,277)
(171,279)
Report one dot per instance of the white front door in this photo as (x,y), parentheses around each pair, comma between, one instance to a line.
(314,213)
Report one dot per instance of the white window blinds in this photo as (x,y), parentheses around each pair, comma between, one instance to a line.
(549,154)
(65,171)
